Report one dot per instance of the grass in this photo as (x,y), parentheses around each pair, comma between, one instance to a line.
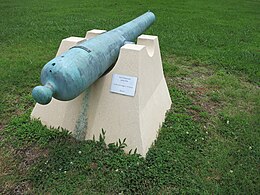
(209,142)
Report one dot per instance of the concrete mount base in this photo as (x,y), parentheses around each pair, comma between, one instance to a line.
(137,118)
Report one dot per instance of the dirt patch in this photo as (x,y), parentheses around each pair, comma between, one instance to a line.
(193,83)
(7,161)
(16,163)
(198,94)
(22,188)
(195,114)
(215,175)
(1,126)
(29,156)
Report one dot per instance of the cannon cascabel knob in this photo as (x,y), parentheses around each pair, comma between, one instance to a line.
(42,94)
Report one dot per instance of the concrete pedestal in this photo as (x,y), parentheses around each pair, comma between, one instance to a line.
(137,118)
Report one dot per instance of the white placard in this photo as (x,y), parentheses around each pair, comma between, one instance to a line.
(123,84)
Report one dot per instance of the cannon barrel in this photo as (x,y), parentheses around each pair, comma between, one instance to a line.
(69,74)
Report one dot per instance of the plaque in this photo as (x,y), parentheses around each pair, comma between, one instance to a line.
(122,84)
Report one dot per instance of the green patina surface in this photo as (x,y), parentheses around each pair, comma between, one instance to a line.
(69,74)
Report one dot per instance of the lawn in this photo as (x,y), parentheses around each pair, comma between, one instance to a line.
(210,141)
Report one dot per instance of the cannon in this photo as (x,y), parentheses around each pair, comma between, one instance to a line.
(69,74)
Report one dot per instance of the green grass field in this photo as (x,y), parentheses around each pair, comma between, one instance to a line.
(210,141)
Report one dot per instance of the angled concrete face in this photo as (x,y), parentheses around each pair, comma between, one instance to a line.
(65,114)
(137,118)
(60,113)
